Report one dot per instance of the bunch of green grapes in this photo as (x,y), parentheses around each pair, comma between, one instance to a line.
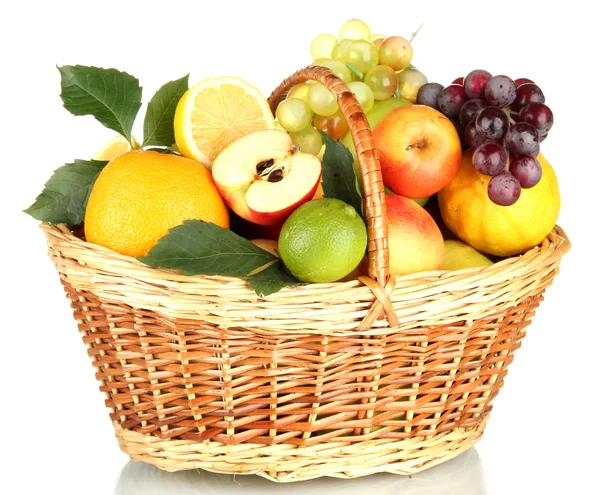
(374,67)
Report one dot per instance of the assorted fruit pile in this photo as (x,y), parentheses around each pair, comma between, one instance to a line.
(220,186)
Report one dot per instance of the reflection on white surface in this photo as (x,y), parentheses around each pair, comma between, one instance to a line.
(462,475)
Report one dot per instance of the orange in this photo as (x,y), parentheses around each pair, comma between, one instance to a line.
(140,195)
(499,230)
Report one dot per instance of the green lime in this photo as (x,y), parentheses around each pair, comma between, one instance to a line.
(323,240)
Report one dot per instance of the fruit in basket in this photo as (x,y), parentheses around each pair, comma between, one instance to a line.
(460,255)
(355,29)
(415,241)
(309,140)
(140,195)
(335,126)
(419,150)
(263,177)
(396,52)
(294,114)
(323,240)
(214,113)
(410,81)
(383,82)
(493,229)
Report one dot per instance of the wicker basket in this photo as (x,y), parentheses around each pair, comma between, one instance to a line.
(344,379)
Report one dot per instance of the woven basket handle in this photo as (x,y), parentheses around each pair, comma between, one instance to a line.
(374,194)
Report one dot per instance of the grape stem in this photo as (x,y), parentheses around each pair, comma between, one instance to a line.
(414,35)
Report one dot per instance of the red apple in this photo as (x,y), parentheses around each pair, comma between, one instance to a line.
(419,150)
(415,241)
(263,177)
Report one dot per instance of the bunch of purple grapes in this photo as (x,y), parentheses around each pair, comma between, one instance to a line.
(503,120)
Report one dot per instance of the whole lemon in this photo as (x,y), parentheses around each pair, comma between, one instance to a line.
(499,230)
(140,195)
(323,240)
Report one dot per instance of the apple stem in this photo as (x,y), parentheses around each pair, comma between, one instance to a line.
(418,145)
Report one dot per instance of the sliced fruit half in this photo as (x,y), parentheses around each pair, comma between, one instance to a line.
(214,113)
(263,177)
(114,148)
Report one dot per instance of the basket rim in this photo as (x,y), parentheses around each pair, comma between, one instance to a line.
(424,299)
(555,245)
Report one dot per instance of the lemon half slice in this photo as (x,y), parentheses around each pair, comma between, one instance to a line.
(114,148)
(214,113)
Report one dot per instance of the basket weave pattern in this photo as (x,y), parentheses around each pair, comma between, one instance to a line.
(342,379)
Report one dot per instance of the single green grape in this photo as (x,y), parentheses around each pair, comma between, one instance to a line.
(322,45)
(319,61)
(376,37)
(321,101)
(355,29)
(293,114)
(377,43)
(410,81)
(363,94)
(396,52)
(339,50)
(382,80)
(299,91)
(362,54)
(340,69)
(308,139)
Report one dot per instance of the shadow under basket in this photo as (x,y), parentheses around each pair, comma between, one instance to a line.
(346,379)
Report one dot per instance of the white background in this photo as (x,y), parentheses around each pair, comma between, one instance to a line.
(56,435)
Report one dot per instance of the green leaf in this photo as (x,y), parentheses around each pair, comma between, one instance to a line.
(338,176)
(202,248)
(158,122)
(272,279)
(355,70)
(66,193)
(198,247)
(111,96)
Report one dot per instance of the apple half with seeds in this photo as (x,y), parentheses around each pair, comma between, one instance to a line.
(263,177)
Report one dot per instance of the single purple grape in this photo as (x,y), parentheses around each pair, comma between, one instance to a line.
(428,94)
(491,122)
(475,82)
(504,189)
(451,99)
(472,137)
(470,109)
(527,93)
(459,80)
(539,116)
(500,91)
(490,158)
(522,138)
(522,80)
(526,169)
